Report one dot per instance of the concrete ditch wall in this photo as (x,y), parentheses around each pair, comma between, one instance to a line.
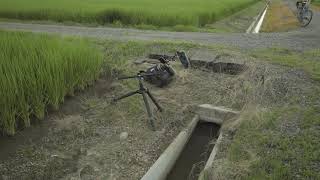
(162,167)
(257,23)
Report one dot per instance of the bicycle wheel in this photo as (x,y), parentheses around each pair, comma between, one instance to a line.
(306,18)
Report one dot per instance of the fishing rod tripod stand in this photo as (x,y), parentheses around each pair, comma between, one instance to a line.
(145,94)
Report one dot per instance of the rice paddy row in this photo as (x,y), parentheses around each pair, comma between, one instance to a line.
(37,71)
(165,13)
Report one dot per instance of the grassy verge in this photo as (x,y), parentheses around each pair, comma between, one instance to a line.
(277,141)
(317,2)
(240,21)
(124,12)
(285,144)
(280,143)
(279,17)
(316,5)
(308,61)
(39,70)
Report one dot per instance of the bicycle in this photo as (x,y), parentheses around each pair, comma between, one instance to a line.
(304,13)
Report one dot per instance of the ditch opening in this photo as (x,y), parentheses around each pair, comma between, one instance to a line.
(196,152)
(211,66)
(219,67)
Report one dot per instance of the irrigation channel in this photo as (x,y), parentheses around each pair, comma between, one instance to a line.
(195,152)
(195,147)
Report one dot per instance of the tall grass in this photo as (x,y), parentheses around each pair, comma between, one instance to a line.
(128,12)
(39,70)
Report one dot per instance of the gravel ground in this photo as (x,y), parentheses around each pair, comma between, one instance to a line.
(300,39)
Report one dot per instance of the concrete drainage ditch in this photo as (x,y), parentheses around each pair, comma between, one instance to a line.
(190,146)
(215,66)
(195,152)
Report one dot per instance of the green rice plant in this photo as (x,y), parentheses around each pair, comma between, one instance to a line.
(165,13)
(37,71)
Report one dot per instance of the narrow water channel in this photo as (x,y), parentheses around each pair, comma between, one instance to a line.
(195,154)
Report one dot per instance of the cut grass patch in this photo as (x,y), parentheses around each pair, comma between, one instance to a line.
(279,17)
(38,71)
(308,61)
(165,13)
(276,141)
(279,143)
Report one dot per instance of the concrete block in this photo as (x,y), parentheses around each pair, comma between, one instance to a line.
(215,114)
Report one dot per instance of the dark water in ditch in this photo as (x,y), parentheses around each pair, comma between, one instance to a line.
(196,153)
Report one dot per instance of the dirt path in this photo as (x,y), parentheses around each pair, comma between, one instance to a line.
(307,38)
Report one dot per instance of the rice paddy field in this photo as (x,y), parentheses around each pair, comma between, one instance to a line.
(37,71)
(165,13)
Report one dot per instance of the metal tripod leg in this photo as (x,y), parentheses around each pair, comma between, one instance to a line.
(154,100)
(148,110)
(126,95)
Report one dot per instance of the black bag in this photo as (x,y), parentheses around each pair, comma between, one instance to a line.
(163,75)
